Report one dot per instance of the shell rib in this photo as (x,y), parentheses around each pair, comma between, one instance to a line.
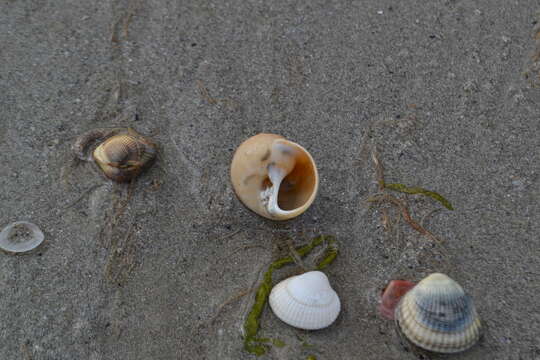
(124,156)
(305,301)
(86,143)
(274,177)
(438,316)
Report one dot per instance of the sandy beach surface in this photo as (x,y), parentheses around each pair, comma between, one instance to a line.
(447,92)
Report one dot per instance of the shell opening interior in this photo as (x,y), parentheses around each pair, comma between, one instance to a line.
(291,179)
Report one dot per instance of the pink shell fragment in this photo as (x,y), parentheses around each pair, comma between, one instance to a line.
(391,295)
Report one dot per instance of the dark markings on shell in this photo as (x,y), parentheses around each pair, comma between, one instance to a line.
(121,153)
(122,157)
(438,316)
(249,178)
(122,149)
(449,314)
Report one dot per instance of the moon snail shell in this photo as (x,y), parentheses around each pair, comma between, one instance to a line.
(274,177)
(122,157)
(438,316)
(305,301)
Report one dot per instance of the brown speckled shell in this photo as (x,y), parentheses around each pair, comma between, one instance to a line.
(122,157)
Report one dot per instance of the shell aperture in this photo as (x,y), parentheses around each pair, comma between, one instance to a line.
(438,316)
(274,177)
(282,162)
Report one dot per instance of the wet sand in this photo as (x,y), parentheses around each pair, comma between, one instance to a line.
(446,91)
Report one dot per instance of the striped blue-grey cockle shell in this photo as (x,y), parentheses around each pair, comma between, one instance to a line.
(438,316)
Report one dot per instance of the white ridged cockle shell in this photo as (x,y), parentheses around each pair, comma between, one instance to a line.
(305,301)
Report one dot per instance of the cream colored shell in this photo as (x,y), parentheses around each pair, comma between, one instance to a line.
(274,177)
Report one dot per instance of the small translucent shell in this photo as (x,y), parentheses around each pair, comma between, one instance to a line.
(123,156)
(305,301)
(438,316)
(274,177)
(391,296)
(20,236)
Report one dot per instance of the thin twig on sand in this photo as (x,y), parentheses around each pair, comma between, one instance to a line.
(379,172)
(229,235)
(229,301)
(205,93)
(295,255)
(25,352)
(405,213)
(85,192)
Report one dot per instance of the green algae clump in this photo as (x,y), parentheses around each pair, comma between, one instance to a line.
(255,345)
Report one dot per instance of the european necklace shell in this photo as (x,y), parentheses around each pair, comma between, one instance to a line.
(274,177)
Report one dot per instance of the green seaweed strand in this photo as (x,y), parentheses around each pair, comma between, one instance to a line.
(418,190)
(331,253)
(251,343)
(276,342)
